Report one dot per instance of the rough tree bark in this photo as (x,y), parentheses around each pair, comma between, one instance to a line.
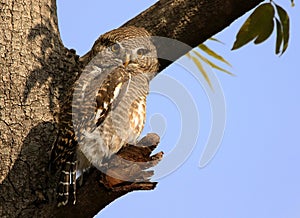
(36,70)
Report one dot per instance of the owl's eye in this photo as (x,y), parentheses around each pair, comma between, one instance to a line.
(142,51)
(115,48)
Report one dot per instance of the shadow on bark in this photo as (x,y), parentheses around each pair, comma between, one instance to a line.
(27,186)
(60,67)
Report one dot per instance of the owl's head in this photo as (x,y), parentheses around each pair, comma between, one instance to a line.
(128,47)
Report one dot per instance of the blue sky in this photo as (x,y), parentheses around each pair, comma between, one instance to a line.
(255,173)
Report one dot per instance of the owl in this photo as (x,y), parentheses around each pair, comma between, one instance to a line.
(108,104)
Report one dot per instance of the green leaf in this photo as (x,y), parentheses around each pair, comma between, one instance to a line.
(202,70)
(279,38)
(266,24)
(259,26)
(188,55)
(213,54)
(212,64)
(293,3)
(285,22)
(216,40)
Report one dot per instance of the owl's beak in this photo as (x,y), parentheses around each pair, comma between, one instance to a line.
(127,60)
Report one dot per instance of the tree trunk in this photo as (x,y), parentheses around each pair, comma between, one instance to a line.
(32,72)
(36,70)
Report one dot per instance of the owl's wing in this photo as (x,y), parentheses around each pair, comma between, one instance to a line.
(110,93)
(96,94)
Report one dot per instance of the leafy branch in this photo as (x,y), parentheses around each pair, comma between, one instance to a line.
(260,25)
(199,59)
